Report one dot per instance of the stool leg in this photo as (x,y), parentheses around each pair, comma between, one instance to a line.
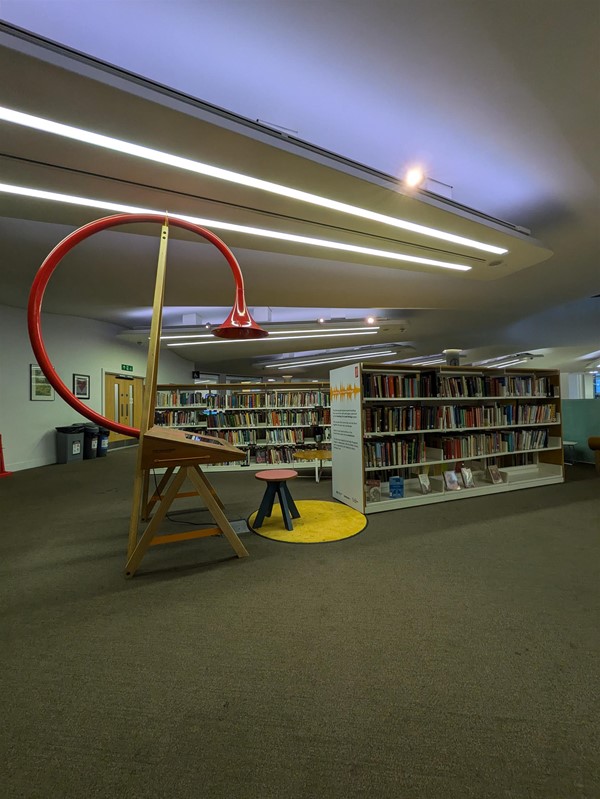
(266,506)
(290,502)
(285,511)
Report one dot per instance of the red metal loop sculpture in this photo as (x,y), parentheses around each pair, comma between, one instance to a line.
(239,323)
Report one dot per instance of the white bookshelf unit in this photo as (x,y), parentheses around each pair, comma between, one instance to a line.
(271,421)
(405,422)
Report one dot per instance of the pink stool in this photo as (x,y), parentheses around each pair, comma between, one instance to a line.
(277,486)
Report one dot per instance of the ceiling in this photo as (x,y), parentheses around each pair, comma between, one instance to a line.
(497,100)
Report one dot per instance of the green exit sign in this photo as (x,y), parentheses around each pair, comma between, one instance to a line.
(125,367)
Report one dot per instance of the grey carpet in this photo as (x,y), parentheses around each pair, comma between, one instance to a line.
(447,651)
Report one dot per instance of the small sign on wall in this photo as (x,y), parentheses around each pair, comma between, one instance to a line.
(125,367)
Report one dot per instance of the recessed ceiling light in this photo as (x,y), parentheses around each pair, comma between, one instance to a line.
(321,320)
(169,159)
(219,225)
(370,320)
(414,177)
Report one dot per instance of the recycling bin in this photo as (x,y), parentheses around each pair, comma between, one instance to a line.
(69,443)
(102,449)
(90,440)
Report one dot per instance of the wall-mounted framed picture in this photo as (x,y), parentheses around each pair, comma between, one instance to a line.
(39,387)
(81,386)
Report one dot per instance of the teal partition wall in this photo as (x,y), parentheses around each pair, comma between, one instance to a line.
(580,420)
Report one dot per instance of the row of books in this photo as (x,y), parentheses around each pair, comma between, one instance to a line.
(446,417)
(490,386)
(388,453)
(237,437)
(175,418)
(176,398)
(285,435)
(430,384)
(394,385)
(471,445)
(268,399)
(258,418)
(275,455)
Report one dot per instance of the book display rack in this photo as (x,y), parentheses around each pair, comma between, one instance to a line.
(270,421)
(417,428)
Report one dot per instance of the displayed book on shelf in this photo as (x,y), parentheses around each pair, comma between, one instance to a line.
(467,477)
(451,480)
(373,490)
(396,487)
(424,483)
(408,422)
(271,421)
(494,474)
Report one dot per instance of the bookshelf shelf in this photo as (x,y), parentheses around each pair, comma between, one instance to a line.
(379,434)
(438,419)
(452,461)
(473,398)
(288,416)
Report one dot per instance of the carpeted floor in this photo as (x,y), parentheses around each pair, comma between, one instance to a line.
(449,651)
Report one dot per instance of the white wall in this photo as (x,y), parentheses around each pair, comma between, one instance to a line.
(74,345)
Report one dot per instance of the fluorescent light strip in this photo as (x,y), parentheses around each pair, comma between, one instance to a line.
(189,335)
(161,157)
(281,332)
(353,356)
(420,358)
(496,360)
(319,363)
(508,363)
(254,340)
(213,223)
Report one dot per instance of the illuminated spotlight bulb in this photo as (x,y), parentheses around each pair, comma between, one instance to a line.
(370,320)
(414,177)
(207,326)
(321,320)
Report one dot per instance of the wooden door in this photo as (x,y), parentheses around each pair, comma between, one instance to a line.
(123,402)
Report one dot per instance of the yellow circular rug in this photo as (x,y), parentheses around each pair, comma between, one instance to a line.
(319,522)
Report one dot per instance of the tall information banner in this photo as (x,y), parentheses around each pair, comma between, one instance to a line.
(346,436)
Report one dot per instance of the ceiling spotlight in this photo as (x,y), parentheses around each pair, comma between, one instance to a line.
(321,320)
(414,177)
(370,320)
(207,326)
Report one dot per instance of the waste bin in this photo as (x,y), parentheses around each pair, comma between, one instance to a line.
(90,440)
(102,449)
(69,443)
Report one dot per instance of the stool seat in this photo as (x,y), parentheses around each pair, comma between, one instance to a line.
(276,475)
(277,487)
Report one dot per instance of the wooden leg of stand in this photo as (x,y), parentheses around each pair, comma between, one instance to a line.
(157,493)
(209,486)
(136,509)
(218,515)
(139,551)
(145,495)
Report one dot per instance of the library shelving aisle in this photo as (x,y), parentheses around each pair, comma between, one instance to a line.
(271,421)
(399,435)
